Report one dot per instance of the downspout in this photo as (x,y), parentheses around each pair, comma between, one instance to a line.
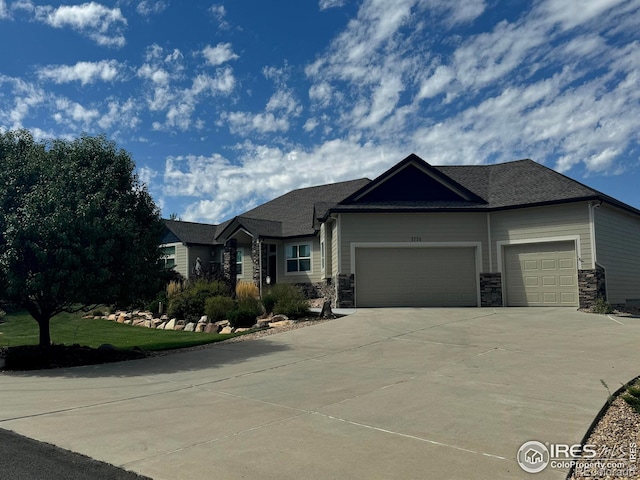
(592,234)
(489,242)
(259,266)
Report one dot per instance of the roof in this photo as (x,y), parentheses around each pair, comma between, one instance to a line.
(517,184)
(191,232)
(294,211)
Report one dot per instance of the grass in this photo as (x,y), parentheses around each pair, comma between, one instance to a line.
(18,329)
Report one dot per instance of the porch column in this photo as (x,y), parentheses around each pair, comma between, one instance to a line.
(229,266)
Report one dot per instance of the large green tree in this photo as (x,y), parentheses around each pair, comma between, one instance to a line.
(77,228)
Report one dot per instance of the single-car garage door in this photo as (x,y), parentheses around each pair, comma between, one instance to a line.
(541,274)
(415,277)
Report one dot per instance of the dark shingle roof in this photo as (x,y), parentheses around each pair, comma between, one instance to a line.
(294,210)
(190,232)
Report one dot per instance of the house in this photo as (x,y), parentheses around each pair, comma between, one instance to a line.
(183,243)
(510,234)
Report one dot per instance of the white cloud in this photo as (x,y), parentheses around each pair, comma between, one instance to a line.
(219,54)
(436,83)
(219,13)
(280,109)
(326,4)
(4,11)
(146,8)
(72,113)
(223,189)
(577,12)
(83,72)
(102,24)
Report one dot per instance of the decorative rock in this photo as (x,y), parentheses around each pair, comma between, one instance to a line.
(200,327)
(147,324)
(178,327)
(128,321)
(155,322)
(190,327)
(112,317)
(161,326)
(263,322)
(203,319)
(221,323)
(226,330)
(281,323)
(121,318)
(279,318)
(164,318)
(139,322)
(171,324)
(211,328)
(242,329)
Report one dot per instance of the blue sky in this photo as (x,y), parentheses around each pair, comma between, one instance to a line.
(224,105)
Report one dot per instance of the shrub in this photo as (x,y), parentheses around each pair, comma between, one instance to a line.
(218,308)
(173,288)
(247,290)
(242,318)
(602,306)
(268,302)
(632,397)
(189,304)
(289,300)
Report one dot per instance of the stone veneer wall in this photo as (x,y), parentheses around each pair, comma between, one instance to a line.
(591,286)
(229,267)
(491,289)
(257,250)
(344,291)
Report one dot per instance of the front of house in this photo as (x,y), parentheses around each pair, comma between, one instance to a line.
(512,234)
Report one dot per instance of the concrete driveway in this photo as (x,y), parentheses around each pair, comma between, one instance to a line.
(380,394)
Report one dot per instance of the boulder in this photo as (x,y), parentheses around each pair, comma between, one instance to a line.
(203,319)
(281,323)
(171,324)
(164,317)
(190,327)
(128,321)
(161,326)
(155,322)
(241,329)
(279,318)
(121,318)
(147,324)
(211,328)
(178,327)
(112,317)
(200,327)
(226,330)
(221,323)
(139,322)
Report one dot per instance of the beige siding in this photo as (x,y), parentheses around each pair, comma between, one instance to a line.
(247,263)
(325,236)
(411,227)
(540,223)
(304,277)
(181,259)
(335,269)
(618,251)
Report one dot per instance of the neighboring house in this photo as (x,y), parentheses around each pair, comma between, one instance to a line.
(183,243)
(510,234)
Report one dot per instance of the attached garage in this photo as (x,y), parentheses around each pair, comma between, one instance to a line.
(541,275)
(415,276)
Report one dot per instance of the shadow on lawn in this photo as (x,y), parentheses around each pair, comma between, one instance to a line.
(214,355)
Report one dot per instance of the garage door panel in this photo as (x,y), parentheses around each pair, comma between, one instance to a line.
(553,280)
(415,276)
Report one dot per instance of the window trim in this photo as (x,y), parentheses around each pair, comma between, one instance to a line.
(172,256)
(298,258)
(240,250)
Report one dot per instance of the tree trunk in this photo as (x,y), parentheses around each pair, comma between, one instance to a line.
(45,334)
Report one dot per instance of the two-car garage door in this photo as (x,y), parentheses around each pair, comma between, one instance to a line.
(416,277)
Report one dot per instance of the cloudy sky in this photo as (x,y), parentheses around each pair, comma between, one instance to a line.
(225,105)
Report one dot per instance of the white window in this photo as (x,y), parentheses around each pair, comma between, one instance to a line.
(239,254)
(168,257)
(298,258)
(322,255)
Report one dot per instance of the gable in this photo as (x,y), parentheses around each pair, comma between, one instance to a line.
(412,181)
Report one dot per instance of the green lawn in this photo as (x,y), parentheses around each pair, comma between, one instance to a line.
(20,329)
